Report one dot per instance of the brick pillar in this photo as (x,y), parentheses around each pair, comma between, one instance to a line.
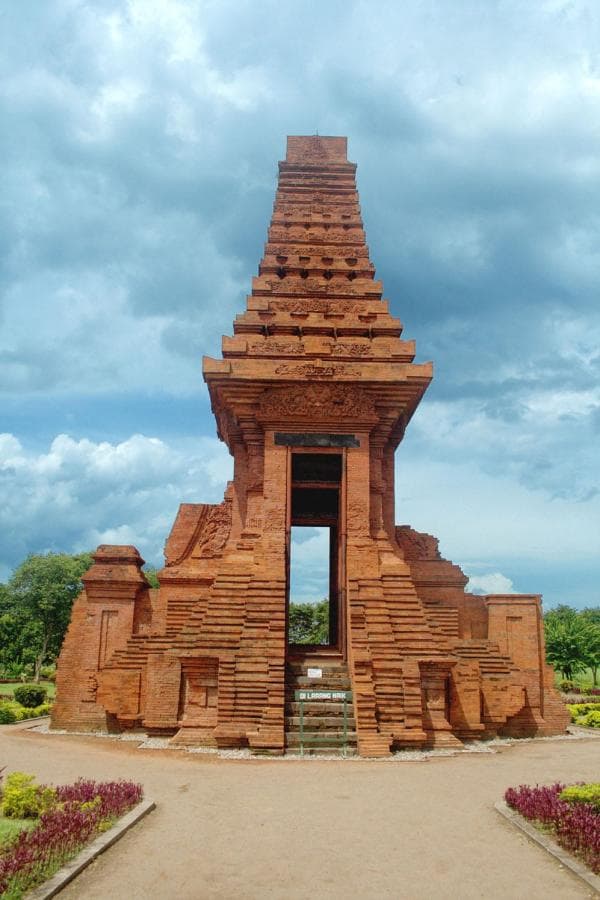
(435,688)
(515,624)
(102,622)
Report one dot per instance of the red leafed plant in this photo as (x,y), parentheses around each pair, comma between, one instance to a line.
(576,825)
(80,812)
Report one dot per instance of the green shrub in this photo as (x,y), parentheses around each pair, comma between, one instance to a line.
(19,712)
(11,712)
(42,710)
(582,793)
(582,709)
(591,720)
(22,798)
(587,714)
(567,686)
(7,714)
(30,695)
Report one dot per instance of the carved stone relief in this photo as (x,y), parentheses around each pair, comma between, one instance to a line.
(348,349)
(319,401)
(417,544)
(318,306)
(312,370)
(375,469)
(254,524)
(277,347)
(358,516)
(255,467)
(215,531)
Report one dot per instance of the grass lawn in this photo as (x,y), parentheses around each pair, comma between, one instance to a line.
(9,687)
(10,827)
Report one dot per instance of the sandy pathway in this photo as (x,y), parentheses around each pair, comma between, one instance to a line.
(283,829)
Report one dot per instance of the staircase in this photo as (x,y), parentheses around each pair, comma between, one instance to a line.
(486,653)
(323,720)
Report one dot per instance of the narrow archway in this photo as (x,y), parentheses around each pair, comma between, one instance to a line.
(314,612)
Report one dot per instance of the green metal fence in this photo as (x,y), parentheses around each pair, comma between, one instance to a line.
(303,697)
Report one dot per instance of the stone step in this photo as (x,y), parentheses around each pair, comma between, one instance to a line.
(318,708)
(321,750)
(316,660)
(331,682)
(324,751)
(319,723)
(325,664)
(310,705)
(326,671)
(318,739)
(326,676)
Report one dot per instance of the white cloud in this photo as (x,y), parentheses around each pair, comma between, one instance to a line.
(492,583)
(533,421)
(10,452)
(309,569)
(140,163)
(491,517)
(79,494)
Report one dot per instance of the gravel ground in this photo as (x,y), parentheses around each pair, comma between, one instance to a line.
(144,742)
(258,828)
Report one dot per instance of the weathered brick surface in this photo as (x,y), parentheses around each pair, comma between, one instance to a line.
(204,659)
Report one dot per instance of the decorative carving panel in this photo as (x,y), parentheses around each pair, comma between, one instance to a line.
(317,401)
(277,348)
(313,370)
(215,531)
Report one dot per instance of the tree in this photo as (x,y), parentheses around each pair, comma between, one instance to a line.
(4,598)
(10,635)
(308,623)
(591,615)
(41,594)
(561,613)
(567,642)
(11,632)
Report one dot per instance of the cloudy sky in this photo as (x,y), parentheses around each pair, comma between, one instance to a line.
(139,143)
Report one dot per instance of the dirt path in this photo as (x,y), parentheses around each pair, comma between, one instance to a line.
(315,829)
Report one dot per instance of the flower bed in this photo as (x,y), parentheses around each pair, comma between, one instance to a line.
(70,817)
(571,687)
(572,814)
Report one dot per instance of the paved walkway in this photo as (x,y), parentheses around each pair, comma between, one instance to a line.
(315,829)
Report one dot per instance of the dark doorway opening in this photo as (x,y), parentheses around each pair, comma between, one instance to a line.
(314,576)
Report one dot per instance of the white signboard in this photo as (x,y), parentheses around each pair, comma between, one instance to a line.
(315,673)
(323,695)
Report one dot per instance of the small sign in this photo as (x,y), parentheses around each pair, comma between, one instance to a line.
(323,695)
(315,673)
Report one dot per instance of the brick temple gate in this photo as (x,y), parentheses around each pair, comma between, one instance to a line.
(312,396)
